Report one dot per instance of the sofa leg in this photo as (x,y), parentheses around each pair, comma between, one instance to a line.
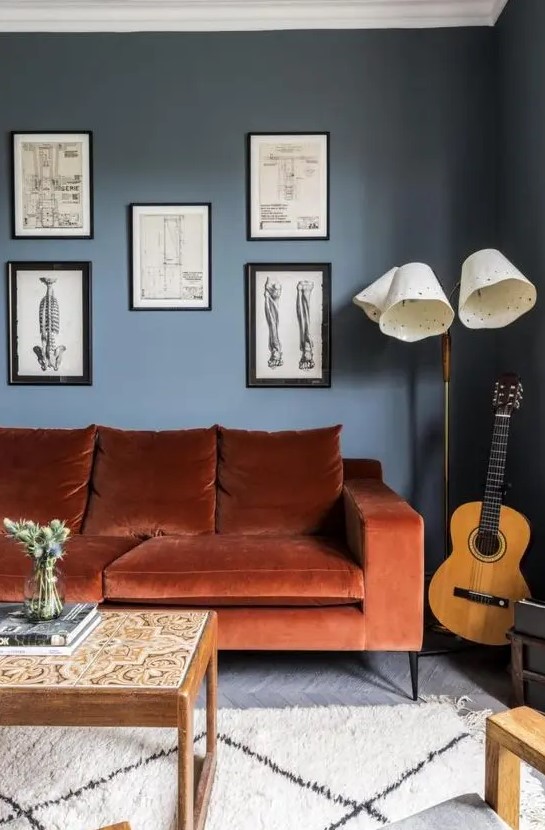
(413,662)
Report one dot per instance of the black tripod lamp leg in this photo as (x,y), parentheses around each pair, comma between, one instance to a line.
(413,662)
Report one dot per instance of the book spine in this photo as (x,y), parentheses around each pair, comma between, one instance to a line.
(48,651)
(31,651)
(25,640)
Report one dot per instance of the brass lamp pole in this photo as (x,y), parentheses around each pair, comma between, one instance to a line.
(446,350)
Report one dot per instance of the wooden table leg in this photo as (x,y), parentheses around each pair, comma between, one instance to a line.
(186,762)
(206,780)
(502,782)
(212,703)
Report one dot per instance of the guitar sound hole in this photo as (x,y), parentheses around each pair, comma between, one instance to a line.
(487,543)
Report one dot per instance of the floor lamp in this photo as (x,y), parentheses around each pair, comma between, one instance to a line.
(408,303)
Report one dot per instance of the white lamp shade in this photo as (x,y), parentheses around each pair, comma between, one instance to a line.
(493,293)
(373,298)
(416,306)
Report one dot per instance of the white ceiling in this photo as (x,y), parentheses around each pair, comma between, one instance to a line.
(239,15)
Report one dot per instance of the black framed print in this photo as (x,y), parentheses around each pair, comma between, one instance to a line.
(52,185)
(49,325)
(171,257)
(288,325)
(288,186)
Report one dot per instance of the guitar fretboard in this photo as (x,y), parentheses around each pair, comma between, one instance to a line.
(493,494)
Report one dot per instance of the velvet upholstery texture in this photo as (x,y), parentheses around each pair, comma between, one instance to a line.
(153,483)
(327,628)
(361,468)
(83,566)
(386,537)
(236,570)
(278,483)
(45,474)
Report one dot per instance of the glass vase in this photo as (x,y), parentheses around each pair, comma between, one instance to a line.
(44,592)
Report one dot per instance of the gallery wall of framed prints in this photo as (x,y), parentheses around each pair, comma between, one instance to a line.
(288,305)
(288,325)
(52,185)
(287,186)
(171,257)
(49,312)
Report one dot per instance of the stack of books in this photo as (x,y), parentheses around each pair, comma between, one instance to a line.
(55,637)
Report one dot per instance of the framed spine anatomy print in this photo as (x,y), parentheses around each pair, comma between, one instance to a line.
(49,323)
(288,325)
(52,185)
(171,257)
(288,186)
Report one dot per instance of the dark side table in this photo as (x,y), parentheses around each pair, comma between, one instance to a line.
(520,674)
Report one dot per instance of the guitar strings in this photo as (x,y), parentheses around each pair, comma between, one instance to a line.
(488,533)
(491,509)
(497,474)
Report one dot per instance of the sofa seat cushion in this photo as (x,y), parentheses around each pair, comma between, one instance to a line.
(278,483)
(44,474)
(236,570)
(152,483)
(83,566)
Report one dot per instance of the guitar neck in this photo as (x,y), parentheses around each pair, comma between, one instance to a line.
(493,494)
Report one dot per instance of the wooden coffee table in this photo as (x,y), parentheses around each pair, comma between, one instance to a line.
(138,668)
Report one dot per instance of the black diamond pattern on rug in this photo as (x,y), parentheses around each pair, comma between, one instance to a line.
(353,807)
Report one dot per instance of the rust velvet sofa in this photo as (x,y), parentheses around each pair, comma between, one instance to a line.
(294,547)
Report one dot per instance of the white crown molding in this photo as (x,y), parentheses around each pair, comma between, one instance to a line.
(240,15)
(497,8)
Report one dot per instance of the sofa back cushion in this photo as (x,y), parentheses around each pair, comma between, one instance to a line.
(44,474)
(281,483)
(153,483)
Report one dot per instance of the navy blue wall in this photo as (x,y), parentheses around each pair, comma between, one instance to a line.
(521,39)
(413,165)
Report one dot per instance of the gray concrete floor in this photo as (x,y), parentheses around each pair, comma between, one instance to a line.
(277,679)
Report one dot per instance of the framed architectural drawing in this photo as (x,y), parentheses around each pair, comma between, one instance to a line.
(288,325)
(171,257)
(288,186)
(49,337)
(52,185)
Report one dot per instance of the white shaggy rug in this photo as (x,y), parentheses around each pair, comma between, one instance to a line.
(278,769)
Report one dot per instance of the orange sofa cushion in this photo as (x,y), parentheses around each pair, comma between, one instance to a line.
(83,566)
(278,483)
(44,474)
(236,570)
(151,483)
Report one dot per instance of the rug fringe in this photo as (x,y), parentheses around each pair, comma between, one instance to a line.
(474,719)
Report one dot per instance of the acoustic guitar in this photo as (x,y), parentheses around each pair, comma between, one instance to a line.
(472,594)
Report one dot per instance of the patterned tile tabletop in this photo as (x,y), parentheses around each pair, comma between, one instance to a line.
(141,649)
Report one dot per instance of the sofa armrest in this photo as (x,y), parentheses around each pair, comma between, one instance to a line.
(386,536)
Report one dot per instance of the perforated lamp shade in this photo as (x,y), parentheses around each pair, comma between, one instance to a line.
(493,293)
(373,298)
(408,303)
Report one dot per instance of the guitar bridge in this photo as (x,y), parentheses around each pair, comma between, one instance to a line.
(482,599)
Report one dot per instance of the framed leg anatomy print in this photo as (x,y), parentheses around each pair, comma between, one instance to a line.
(49,337)
(52,185)
(288,325)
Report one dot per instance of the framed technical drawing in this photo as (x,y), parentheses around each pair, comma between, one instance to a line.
(171,257)
(288,325)
(49,337)
(288,186)
(52,185)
